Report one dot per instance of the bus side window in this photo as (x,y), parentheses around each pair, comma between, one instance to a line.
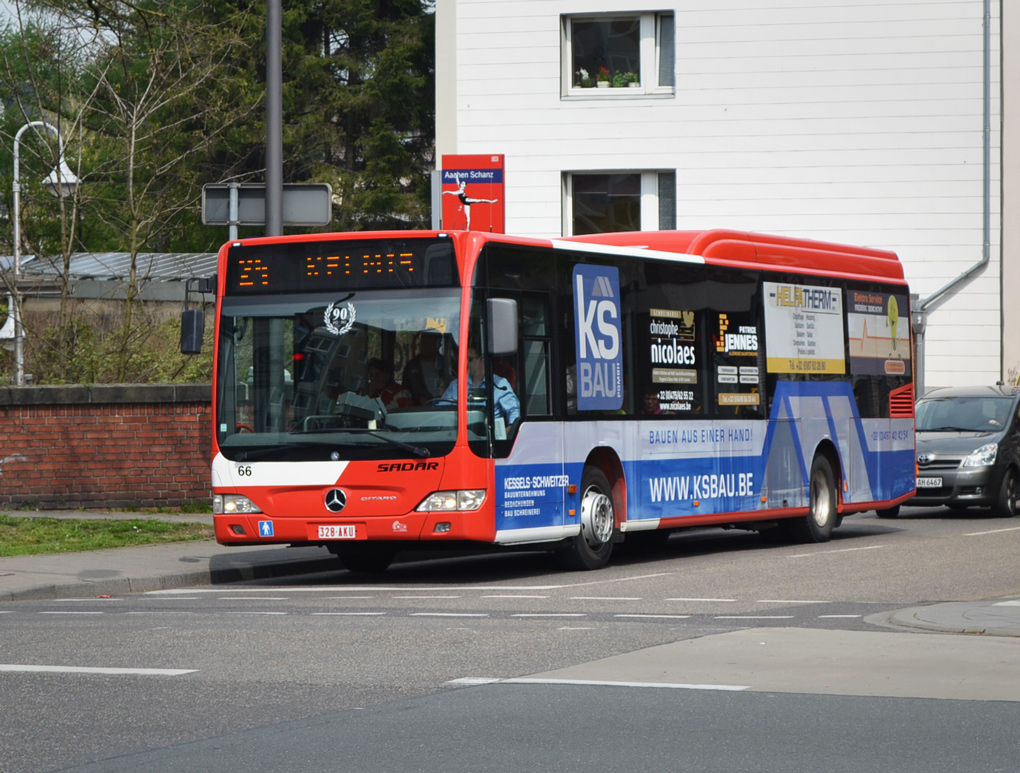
(536,386)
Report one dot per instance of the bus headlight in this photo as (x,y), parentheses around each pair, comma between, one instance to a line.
(983,457)
(443,501)
(227,504)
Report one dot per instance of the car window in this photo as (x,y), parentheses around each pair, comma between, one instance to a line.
(969,414)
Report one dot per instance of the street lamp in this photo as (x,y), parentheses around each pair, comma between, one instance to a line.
(60,182)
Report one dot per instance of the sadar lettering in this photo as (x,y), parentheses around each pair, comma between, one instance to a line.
(406,466)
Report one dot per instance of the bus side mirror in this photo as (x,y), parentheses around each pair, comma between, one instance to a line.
(193,320)
(502,325)
(192,330)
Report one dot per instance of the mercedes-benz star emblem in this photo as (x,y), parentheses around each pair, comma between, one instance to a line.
(336,500)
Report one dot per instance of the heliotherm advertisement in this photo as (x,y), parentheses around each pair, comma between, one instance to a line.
(473,193)
(805,328)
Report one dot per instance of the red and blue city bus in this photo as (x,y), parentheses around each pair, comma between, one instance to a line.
(379,392)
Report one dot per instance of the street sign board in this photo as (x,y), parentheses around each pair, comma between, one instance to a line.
(473,185)
(305,204)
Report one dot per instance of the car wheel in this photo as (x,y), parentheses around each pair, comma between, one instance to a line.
(1005,505)
(592,547)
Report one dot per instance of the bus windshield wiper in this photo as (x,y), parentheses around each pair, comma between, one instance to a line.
(250,456)
(422,452)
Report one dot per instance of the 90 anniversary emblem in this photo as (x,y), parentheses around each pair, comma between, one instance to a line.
(339,317)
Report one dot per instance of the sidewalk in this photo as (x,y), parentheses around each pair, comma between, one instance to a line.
(185,564)
(150,567)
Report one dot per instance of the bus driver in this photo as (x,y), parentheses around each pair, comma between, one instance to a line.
(508,407)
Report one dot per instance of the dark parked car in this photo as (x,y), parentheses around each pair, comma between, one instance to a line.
(968,448)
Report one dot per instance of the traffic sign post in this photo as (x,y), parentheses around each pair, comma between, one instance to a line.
(304,204)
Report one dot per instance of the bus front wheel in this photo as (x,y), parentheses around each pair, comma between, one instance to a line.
(818,524)
(592,547)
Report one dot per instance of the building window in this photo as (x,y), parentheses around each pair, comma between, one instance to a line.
(618,55)
(619,201)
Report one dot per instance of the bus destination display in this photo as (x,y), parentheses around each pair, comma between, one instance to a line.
(317,266)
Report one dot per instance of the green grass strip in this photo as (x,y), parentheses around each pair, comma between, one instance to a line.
(33,536)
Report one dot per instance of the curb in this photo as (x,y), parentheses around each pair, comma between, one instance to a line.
(956,617)
(121,585)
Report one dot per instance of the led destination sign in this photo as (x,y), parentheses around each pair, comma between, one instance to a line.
(314,266)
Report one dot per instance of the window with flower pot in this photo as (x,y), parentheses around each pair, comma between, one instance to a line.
(619,201)
(615,55)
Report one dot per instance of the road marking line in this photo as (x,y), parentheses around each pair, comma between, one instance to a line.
(350,614)
(426,597)
(404,588)
(89,670)
(753,617)
(256,612)
(347,598)
(449,614)
(513,596)
(721,601)
(664,617)
(550,614)
(791,601)
(842,550)
(253,598)
(605,598)
(68,612)
(995,531)
(473,681)
(852,617)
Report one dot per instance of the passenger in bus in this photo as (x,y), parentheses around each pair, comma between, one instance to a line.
(423,374)
(383,386)
(650,404)
(508,407)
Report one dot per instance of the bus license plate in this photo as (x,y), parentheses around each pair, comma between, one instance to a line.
(929,482)
(336,531)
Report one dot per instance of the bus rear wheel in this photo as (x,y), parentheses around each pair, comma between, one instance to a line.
(818,524)
(592,547)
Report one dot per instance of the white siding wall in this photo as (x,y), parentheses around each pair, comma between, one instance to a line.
(847,120)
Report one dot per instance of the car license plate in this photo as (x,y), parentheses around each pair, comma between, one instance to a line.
(338,531)
(929,482)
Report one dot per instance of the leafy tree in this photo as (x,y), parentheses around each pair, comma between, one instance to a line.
(40,61)
(157,97)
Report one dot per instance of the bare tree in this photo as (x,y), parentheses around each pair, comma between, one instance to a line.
(151,93)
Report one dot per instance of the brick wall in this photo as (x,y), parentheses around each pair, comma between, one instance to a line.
(69,447)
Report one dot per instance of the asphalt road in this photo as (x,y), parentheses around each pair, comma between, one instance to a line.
(720,651)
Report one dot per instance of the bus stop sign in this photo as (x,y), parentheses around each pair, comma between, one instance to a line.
(304,204)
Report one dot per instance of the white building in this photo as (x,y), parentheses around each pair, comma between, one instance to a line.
(859,121)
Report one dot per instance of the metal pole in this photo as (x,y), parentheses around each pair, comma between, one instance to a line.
(274,119)
(19,331)
(232,210)
(19,340)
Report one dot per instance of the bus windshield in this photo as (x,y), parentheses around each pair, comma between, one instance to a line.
(339,376)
